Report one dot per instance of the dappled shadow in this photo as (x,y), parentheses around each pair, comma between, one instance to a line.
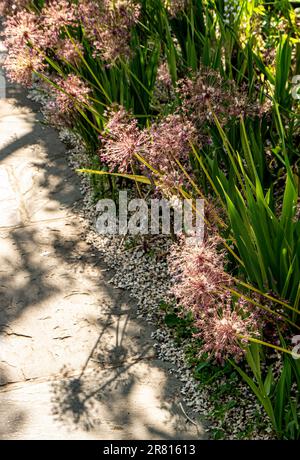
(11,418)
(24,271)
(23,281)
(30,251)
(122,387)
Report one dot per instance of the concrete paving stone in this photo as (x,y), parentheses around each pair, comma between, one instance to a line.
(58,410)
(10,215)
(6,191)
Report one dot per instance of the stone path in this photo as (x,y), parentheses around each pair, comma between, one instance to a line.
(75,362)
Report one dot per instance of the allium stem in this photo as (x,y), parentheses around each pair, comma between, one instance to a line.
(263,307)
(266,344)
(273,299)
(88,67)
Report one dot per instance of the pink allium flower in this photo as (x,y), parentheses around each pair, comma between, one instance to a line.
(23,37)
(207,93)
(59,13)
(122,140)
(21,29)
(108,25)
(166,141)
(41,31)
(200,285)
(54,17)
(73,92)
(198,274)
(20,66)
(170,140)
(223,331)
(69,51)
(26,29)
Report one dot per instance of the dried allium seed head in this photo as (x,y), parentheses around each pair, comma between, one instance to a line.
(20,66)
(121,141)
(200,285)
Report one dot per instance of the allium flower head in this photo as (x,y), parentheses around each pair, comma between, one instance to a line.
(170,138)
(72,92)
(208,94)
(69,50)
(55,16)
(198,274)
(20,66)
(24,38)
(170,141)
(122,140)
(108,25)
(165,142)
(20,29)
(59,13)
(200,285)
(160,146)
(223,332)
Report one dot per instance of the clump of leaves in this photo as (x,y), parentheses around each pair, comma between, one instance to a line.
(181,322)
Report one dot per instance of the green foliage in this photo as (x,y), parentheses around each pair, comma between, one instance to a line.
(277,396)
(265,230)
(180,322)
